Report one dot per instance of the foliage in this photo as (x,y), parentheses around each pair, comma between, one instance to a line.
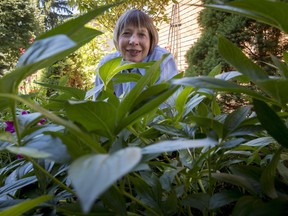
(55,12)
(162,149)
(20,23)
(257,40)
(154,8)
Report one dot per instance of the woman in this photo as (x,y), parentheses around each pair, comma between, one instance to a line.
(136,38)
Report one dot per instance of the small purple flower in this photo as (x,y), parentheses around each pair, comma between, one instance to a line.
(9,126)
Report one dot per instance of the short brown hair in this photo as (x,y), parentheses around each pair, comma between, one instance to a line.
(139,19)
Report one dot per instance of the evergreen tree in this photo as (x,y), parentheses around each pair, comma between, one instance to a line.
(55,12)
(258,41)
(20,22)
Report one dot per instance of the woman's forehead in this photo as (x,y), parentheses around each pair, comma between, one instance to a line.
(133,27)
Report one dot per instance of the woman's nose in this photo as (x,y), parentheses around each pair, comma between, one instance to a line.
(133,40)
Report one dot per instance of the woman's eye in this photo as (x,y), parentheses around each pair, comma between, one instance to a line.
(126,33)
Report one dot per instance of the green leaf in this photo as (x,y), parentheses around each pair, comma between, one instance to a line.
(91,175)
(261,141)
(215,71)
(108,70)
(114,199)
(180,103)
(223,198)
(268,176)
(237,180)
(74,27)
(30,152)
(276,89)
(94,116)
(7,137)
(273,13)
(74,92)
(179,144)
(234,119)
(152,101)
(271,122)
(45,48)
(247,205)
(281,66)
(233,55)
(208,123)
(199,201)
(21,208)
(218,85)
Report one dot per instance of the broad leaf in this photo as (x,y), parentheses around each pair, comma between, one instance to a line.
(276,89)
(92,175)
(218,85)
(223,198)
(108,70)
(45,48)
(179,144)
(74,92)
(153,97)
(271,122)
(234,119)
(242,63)
(21,208)
(94,116)
(237,181)
(268,176)
(270,12)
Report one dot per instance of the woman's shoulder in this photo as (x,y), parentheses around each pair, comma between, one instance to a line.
(160,50)
(157,53)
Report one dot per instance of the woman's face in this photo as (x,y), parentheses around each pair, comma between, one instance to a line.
(134,43)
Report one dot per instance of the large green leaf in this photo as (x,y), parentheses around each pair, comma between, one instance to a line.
(108,70)
(276,89)
(74,27)
(233,55)
(178,144)
(218,85)
(74,92)
(234,119)
(240,181)
(91,175)
(273,13)
(149,100)
(98,116)
(271,122)
(268,176)
(21,208)
(247,205)
(223,198)
(208,123)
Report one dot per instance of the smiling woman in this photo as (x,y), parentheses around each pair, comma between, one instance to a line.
(136,38)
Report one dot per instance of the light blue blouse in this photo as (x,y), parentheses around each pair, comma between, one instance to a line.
(168,70)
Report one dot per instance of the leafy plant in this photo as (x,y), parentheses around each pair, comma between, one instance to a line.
(161,149)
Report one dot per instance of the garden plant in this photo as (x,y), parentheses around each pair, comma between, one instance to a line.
(162,149)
